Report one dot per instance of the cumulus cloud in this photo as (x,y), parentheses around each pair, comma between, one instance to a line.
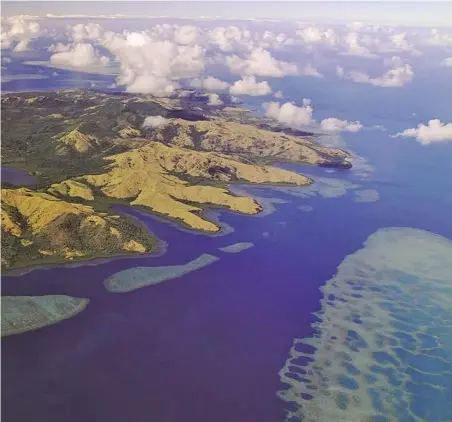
(360,39)
(231,39)
(260,63)
(289,114)
(353,46)
(154,121)
(153,67)
(447,62)
(278,94)
(310,70)
(249,86)
(209,84)
(17,32)
(399,42)
(275,41)
(186,35)
(79,55)
(399,75)
(314,35)
(310,35)
(334,125)
(215,100)
(439,38)
(434,131)
(179,34)
(151,61)
(91,31)
(59,48)
(394,61)
(292,115)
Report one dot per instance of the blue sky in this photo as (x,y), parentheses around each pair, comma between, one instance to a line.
(392,12)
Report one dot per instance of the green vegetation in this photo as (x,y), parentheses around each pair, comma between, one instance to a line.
(89,150)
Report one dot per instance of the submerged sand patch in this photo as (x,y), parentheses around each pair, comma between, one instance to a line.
(367,195)
(237,247)
(27,313)
(138,277)
(382,348)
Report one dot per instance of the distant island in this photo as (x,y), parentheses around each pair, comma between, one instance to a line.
(173,157)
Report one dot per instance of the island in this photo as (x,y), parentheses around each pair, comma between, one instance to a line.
(173,157)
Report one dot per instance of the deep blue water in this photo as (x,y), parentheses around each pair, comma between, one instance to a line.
(209,345)
(16,177)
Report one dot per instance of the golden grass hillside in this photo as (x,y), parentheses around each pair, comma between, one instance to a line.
(152,176)
(73,189)
(38,227)
(76,140)
(225,136)
(88,150)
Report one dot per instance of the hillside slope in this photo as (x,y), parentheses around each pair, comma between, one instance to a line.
(38,227)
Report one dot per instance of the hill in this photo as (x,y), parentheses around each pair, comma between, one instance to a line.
(169,156)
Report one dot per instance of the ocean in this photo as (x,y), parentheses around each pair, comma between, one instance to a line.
(211,345)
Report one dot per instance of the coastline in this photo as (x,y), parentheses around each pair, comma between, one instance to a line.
(128,211)
(208,211)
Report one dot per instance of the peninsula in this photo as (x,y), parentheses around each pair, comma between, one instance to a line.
(173,157)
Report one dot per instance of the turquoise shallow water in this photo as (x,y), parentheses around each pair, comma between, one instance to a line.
(381,349)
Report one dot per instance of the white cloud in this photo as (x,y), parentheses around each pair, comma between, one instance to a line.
(314,35)
(438,38)
(278,94)
(91,31)
(154,121)
(310,35)
(209,84)
(18,31)
(340,71)
(153,67)
(214,100)
(59,48)
(354,47)
(22,45)
(179,34)
(334,125)
(360,39)
(400,43)
(310,70)
(292,115)
(289,114)
(447,62)
(186,35)
(434,131)
(79,55)
(275,41)
(395,77)
(394,61)
(249,86)
(260,63)
(152,61)
(231,39)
